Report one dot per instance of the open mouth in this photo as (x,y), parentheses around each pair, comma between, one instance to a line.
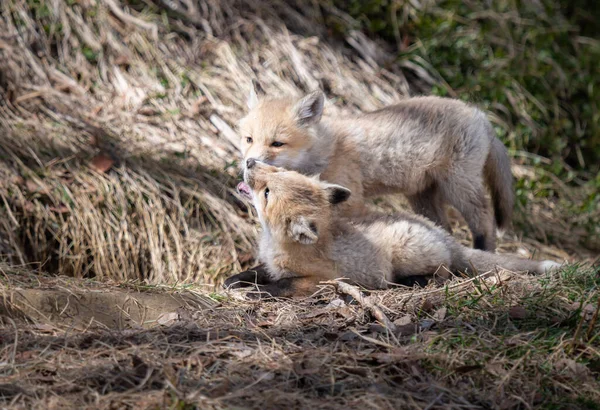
(244,190)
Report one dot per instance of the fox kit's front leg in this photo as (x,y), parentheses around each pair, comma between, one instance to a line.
(255,276)
(265,286)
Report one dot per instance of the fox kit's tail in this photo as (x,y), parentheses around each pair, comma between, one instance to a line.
(499,178)
(487,261)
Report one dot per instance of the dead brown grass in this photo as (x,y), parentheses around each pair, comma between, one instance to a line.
(155,96)
(117,162)
(505,341)
(118,157)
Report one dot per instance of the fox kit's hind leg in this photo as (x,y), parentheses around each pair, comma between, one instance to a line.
(430,204)
(467,194)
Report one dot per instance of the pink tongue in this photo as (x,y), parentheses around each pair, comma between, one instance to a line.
(243,188)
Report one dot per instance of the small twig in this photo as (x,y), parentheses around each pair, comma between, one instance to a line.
(580,325)
(510,373)
(435,401)
(365,301)
(593,321)
(128,18)
(15,344)
(371,339)
(225,129)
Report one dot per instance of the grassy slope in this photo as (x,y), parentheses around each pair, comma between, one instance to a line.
(88,82)
(145,86)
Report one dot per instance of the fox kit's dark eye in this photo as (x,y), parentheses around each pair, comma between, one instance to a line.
(267,193)
(277,144)
(249,140)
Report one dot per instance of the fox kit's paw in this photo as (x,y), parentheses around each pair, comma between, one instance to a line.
(250,278)
(283,288)
(550,266)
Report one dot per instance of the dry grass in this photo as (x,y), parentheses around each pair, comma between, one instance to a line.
(505,341)
(155,95)
(156,88)
(118,161)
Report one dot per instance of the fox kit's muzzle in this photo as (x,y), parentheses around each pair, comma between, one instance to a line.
(252,172)
(243,187)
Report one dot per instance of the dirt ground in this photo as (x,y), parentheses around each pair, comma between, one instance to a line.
(504,341)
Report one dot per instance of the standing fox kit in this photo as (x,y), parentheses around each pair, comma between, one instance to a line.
(304,241)
(436,151)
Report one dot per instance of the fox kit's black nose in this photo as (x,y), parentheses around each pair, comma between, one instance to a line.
(250,162)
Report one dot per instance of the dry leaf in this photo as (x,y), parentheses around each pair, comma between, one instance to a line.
(336,303)
(101,163)
(148,111)
(44,327)
(440,314)
(403,321)
(17,180)
(517,312)
(427,305)
(61,209)
(122,60)
(577,369)
(33,186)
(166,319)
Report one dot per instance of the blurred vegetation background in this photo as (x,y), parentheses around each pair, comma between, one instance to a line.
(118,154)
(533,64)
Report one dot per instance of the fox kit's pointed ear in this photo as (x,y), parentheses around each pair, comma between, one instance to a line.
(303,231)
(253,96)
(337,193)
(310,108)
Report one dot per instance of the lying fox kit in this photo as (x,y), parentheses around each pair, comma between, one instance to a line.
(303,242)
(436,151)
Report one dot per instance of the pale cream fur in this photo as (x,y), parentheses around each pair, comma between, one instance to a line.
(303,237)
(434,150)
